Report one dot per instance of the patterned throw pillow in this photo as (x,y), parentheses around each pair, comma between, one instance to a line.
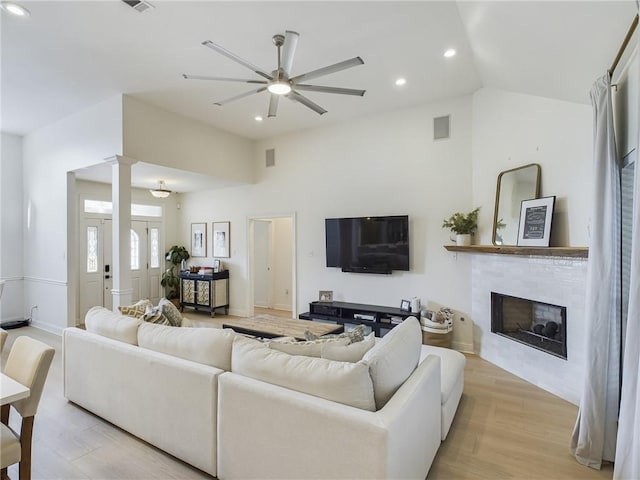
(355,335)
(154,315)
(136,310)
(170,311)
(310,348)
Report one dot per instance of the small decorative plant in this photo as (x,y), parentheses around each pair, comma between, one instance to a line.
(170,278)
(462,224)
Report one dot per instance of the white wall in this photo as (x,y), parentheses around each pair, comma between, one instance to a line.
(11,220)
(512,129)
(82,139)
(157,136)
(384,164)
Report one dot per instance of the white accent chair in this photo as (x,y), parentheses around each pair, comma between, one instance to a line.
(28,363)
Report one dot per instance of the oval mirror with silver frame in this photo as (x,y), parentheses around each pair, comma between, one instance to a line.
(515,185)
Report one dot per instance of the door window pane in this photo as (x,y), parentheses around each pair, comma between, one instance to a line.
(92,249)
(135,251)
(155,247)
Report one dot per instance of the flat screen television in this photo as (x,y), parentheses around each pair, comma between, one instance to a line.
(368,244)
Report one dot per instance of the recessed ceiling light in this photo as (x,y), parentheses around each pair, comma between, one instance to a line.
(450,53)
(15,9)
(257,118)
(401,81)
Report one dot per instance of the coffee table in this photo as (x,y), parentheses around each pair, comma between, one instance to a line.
(272,327)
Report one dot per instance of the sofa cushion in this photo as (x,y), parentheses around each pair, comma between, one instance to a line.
(109,324)
(393,359)
(451,364)
(311,348)
(136,310)
(341,382)
(209,346)
(348,353)
(170,311)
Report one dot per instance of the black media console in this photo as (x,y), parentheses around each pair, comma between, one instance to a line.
(378,318)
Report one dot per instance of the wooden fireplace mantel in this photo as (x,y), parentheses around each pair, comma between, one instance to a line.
(575,252)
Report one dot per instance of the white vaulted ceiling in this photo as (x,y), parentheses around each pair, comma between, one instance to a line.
(68,56)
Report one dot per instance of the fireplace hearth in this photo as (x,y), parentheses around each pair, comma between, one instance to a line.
(539,325)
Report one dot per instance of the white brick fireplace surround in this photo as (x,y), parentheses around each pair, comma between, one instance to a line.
(555,280)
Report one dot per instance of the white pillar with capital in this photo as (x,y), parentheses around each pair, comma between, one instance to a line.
(121,227)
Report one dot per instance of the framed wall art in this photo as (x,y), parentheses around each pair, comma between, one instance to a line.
(534,229)
(198,239)
(221,239)
(325,295)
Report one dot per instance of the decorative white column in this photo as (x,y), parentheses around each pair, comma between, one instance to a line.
(121,228)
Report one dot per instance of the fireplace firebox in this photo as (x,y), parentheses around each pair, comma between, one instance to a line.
(536,324)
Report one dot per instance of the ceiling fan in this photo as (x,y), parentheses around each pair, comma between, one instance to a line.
(279,82)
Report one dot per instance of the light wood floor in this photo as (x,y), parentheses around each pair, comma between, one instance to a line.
(505,428)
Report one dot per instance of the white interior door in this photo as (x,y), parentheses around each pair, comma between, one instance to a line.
(262,286)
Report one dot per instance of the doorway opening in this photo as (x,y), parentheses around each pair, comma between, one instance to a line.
(272,266)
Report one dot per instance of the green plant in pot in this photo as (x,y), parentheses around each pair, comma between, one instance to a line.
(463,225)
(171,276)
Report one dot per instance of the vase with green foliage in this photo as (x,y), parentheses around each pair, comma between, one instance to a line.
(463,225)
(171,276)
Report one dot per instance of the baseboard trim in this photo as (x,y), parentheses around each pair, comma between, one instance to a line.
(282,306)
(48,327)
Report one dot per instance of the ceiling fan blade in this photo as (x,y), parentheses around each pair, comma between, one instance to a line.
(273,105)
(319,88)
(235,58)
(336,67)
(223,79)
(289,50)
(296,97)
(242,95)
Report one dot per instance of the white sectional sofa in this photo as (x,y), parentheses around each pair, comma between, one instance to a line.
(235,408)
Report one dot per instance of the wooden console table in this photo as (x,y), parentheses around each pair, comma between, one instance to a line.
(205,292)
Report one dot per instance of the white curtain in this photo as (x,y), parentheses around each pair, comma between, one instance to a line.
(594,436)
(627,464)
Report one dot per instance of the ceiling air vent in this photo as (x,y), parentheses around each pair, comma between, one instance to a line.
(138,5)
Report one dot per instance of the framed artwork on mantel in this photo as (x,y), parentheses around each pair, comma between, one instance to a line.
(534,229)
(221,241)
(198,239)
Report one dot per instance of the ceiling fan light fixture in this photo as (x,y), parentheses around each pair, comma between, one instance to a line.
(161,191)
(14,9)
(279,87)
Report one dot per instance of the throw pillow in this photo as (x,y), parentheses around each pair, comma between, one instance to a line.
(154,315)
(348,353)
(311,348)
(170,311)
(355,335)
(393,359)
(136,310)
(341,382)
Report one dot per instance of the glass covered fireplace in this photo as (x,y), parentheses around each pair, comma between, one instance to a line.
(539,325)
